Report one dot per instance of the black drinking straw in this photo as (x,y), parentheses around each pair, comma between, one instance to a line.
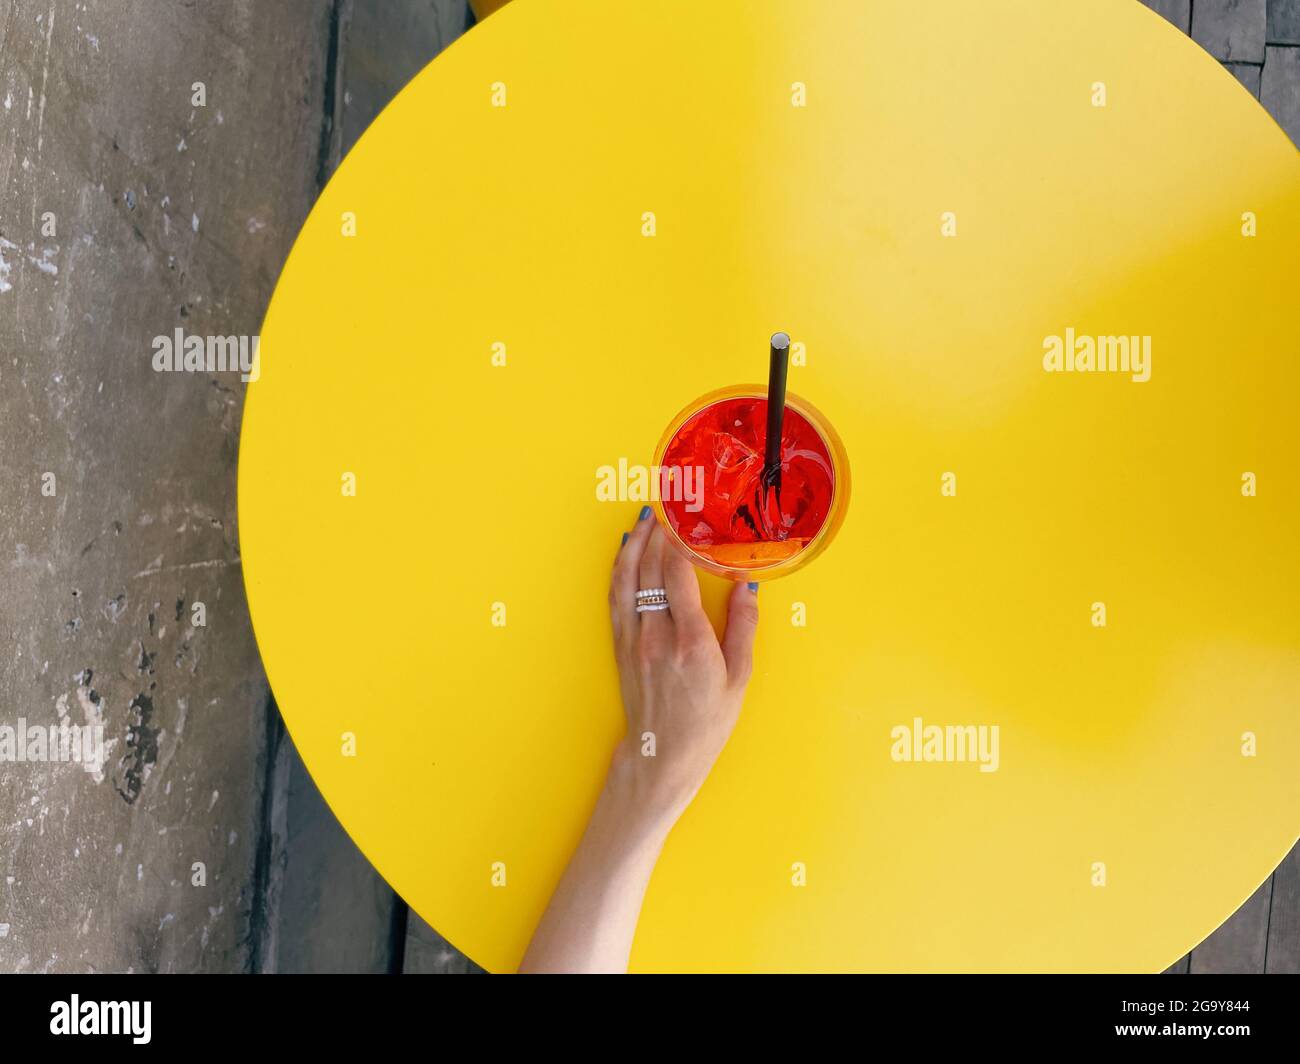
(776,375)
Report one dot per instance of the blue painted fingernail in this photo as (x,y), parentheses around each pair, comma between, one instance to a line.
(753,587)
(624,539)
(645,512)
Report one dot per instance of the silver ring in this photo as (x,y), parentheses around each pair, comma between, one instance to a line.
(651,599)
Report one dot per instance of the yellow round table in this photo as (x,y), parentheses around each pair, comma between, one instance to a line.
(585,215)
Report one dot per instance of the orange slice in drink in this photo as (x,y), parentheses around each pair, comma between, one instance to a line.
(753,555)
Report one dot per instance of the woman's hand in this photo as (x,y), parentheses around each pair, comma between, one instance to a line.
(682,691)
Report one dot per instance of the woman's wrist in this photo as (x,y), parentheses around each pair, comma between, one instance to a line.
(644,809)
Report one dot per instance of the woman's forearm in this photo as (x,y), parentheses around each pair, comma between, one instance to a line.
(682,690)
(592,917)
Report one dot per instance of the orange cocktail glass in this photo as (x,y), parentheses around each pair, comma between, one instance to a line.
(712,500)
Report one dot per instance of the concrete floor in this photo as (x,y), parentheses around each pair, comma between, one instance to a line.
(130,210)
(127,212)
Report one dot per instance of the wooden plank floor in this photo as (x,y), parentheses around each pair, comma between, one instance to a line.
(381,46)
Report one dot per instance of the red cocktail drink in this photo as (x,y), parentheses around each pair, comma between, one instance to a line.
(713,498)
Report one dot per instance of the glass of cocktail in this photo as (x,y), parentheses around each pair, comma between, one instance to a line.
(713,499)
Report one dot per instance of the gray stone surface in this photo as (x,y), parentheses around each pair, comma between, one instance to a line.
(1279,89)
(1230,30)
(1179,12)
(165,215)
(1248,74)
(1283,22)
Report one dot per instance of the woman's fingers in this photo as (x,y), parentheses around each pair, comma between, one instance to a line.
(683,588)
(738,640)
(654,623)
(623,583)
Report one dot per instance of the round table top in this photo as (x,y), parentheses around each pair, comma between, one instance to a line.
(1036,706)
